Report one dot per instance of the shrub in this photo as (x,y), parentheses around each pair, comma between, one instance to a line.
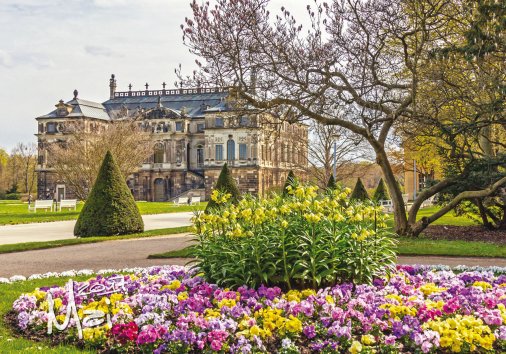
(12,196)
(359,192)
(331,184)
(381,192)
(290,181)
(302,240)
(110,208)
(224,184)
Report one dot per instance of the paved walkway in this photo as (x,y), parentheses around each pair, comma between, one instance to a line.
(60,230)
(134,253)
(96,256)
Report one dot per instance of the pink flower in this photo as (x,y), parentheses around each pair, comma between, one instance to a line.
(216,345)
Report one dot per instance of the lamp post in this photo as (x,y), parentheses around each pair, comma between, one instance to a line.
(414,179)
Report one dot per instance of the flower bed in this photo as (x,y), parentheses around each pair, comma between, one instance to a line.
(171,309)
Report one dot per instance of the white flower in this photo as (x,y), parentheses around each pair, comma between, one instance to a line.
(4,281)
(17,278)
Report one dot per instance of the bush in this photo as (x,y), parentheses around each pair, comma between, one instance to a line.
(295,242)
(224,184)
(331,184)
(359,192)
(110,208)
(290,181)
(12,196)
(381,192)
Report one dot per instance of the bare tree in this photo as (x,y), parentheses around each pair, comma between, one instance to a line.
(77,160)
(363,57)
(331,147)
(26,154)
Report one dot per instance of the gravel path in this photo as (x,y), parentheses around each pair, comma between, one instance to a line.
(61,230)
(134,253)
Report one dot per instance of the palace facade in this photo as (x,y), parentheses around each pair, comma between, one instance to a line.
(194,132)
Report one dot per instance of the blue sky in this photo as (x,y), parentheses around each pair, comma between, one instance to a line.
(48,48)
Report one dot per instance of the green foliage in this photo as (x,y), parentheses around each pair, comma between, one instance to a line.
(302,240)
(381,192)
(359,192)
(331,184)
(110,208)
(482,172)
(290,181)
(225,184)
(12,196)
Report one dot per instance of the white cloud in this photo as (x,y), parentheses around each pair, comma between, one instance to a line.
(97,50)
(5,59)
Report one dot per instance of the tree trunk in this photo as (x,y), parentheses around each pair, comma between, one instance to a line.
(401,226)
(483,214)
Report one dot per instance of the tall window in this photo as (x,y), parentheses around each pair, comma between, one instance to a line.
(244,121)
(51,128)
(242,152)
(219,152)
(218,123)
(200,127)
(158,158)
(200,156)
(179,126)
(230,150)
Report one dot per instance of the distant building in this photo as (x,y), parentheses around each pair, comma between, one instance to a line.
(194,132)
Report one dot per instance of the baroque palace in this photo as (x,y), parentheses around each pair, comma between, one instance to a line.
(194,133)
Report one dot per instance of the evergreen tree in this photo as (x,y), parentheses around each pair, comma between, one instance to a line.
(226,184)
(110,208)
(290,181)
(359,192)
(331,184)
(381,192)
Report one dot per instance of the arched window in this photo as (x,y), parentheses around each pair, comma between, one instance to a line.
(158,153)
(230,150)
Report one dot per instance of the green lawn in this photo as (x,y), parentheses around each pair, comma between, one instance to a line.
(448,219)
(182,253)
(27,246)
(14,212)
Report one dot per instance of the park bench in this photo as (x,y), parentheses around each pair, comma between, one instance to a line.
(68,203)
(181,201)
(387,205)
(41,204)
(195,200)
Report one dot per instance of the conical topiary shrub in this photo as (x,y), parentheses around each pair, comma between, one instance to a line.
(290,181)
(110,208)
(331,184)
(226,184)
(359,192)
(381,192)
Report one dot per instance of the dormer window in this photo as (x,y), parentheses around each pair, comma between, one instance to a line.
(218,123)
(179,126)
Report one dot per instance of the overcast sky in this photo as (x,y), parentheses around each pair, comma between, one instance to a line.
(48,48)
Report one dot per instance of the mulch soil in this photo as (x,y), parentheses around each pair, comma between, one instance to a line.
(465,233)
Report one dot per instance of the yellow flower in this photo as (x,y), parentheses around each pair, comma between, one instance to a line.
(293,325)
(482,284)
(175,284)
(356,347)
(368,339)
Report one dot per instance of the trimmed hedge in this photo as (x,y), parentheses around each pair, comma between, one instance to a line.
(381,192)
(110,208)
(225,183)
(359,192)
(290,181)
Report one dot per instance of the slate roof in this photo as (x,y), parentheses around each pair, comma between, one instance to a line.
(82,108)
(195,104)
